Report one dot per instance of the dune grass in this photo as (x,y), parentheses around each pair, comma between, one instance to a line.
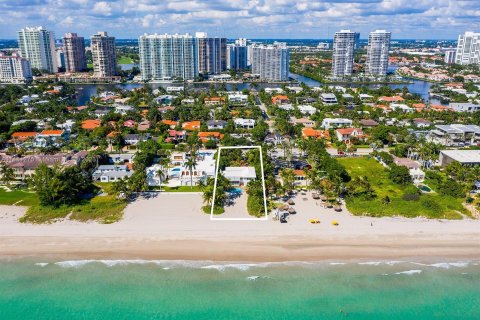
(431,205)
(104,209)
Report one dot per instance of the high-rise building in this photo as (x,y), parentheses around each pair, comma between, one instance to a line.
(103,55)
(60,56)
(344,43)
(450,55)
(468,48)
(168,56)
(74,48)
(14,69)
(237,55)
(212,54)
(271,62)
(37,45)
(377,52)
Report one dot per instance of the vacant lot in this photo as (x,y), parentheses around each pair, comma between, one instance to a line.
(428,205)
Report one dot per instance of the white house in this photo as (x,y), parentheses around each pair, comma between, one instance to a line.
(286,107)
(237,97)
(464,107)
(216,124)
(239,176)
(332,123)
(307,109)
(328,98)
(123,109)
(244,123)
(401,107)
(273,90)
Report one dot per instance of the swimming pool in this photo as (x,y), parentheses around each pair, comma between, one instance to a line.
(235,191)
(176,169)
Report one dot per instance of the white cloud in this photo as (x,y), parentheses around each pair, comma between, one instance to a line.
(102,8)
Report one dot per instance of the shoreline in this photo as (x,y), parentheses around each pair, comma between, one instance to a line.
(172,226)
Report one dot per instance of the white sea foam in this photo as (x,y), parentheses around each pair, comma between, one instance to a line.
(337,263)
(253,278)
(41,264)
(237,266)
(73,263)
(445,265)
(409,272)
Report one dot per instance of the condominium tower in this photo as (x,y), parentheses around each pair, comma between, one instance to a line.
(344,43)
(237,55)
(37,45)
(74,50)
(271,62)
(14,69)
(212,54)
(468,48)
(168,56)
(103,55)
(377,52)
(450,56)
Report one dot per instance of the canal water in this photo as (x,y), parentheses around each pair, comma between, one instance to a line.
(85,91)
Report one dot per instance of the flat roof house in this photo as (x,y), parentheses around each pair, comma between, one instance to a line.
(240,176)
(244,123)
(332,123)
(307,109)
(455,135)
(328,98)
(464,157)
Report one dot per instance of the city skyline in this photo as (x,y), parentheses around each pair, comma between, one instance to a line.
(249,18)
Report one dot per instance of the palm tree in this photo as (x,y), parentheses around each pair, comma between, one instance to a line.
(208,196)
(161,175)
(7,174)
(191,164)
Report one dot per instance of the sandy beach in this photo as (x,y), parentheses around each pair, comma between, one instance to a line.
(171,226)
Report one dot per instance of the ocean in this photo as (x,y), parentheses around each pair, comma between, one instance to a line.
(140,289)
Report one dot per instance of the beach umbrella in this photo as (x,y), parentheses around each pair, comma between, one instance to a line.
(284,207)
(323,198)
(291,210)
(315,195)
(291,202)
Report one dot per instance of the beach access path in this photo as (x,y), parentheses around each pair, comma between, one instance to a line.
(172,226)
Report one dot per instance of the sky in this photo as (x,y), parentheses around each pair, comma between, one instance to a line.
(254,19)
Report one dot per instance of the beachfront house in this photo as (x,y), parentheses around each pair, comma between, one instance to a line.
(240,176)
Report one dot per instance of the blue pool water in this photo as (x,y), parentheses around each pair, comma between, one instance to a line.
(235,191)
(176,169)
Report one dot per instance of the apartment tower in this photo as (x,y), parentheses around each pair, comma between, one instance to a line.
(377,53)
(344,44)
(168,56)
(14,69)
(37,45)
(74,51)
(271,62)
(103,55)
(212,54)
(468,48)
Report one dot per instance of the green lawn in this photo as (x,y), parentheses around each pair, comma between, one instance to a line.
(125,60)
(21,197)
(182,189)
(429,205)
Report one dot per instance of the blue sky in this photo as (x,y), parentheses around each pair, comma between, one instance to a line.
(417,19)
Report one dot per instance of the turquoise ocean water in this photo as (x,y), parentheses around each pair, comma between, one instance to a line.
(138,289)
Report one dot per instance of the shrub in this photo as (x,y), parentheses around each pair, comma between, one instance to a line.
(255,206)
(399,174)
(452,188)
(411,193)
(431,204)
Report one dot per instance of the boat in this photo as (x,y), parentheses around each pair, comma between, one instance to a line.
(334,223)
